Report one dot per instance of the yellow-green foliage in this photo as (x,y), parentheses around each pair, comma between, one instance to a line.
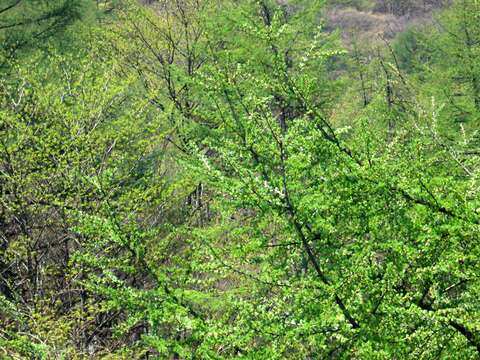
(221,179)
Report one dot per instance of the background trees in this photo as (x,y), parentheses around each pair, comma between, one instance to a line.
(222,179)
(24,23)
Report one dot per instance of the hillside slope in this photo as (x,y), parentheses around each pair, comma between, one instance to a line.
(380,18)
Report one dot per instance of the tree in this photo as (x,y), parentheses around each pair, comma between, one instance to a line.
(25,23)
(344,224)
(200,182)
(61,124)
(454,46)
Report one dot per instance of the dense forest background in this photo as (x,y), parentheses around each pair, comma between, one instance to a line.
(253,179)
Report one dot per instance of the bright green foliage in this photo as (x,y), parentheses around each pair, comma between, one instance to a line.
(370,238)
(225,181)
